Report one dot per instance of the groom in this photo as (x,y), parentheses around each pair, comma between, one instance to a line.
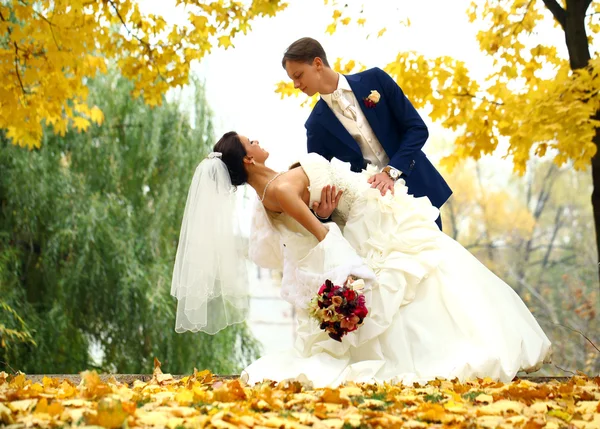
(363,119)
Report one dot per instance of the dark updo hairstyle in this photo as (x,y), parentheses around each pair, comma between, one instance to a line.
(233,153)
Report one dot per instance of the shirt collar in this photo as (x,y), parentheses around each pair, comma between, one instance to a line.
(342,84)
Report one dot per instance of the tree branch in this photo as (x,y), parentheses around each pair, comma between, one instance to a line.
(557,226)
(580,333)
(476,98)
(16,58)
(50,24)
(484,245)
(148,46)
(552,263)
(520,23)
(559,13)
(17,68)
(535,293)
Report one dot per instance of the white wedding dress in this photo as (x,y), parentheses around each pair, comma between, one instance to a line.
(434,309)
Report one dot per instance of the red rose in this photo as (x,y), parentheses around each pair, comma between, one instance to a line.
(350,295)
(322,288)
(369,103)
(361,311)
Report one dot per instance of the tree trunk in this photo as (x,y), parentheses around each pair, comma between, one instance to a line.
(596,191)
(573,22)
(575,35)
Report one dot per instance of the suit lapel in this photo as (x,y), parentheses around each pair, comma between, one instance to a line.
(328,120)
(362,91)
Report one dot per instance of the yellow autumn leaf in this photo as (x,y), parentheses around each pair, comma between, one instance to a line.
(563,415)
(42,406)
(152,51)
(110,413)
(96,115)
(455,407)
(287,89)
(225,41)
(185,397)
(348,67)
(229,403)
(81,124)
(381,32)
(331,28)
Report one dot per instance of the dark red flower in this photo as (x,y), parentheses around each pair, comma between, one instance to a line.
(322,288)
(361,311)
(336,336)
(369,103)
(349,294)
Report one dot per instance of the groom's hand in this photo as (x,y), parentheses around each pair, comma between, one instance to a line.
(329,202)
(383,182)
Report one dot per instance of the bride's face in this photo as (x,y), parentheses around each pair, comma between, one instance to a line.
(306,77)
(253,150)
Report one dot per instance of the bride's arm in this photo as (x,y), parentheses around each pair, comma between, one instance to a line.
(291,204)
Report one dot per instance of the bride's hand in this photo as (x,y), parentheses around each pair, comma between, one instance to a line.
(329,202)
(383,182)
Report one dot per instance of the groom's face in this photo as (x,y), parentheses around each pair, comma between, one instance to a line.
(306,77)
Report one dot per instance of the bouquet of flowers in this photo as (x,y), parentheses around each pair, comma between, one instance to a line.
(339,309)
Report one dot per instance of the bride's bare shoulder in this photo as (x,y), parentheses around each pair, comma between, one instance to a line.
(293,181)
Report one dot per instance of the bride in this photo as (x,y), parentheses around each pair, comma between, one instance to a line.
(434,309)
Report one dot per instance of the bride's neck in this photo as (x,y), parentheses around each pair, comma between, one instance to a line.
(259,177)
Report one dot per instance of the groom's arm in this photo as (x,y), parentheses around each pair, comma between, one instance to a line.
(412,129)
(315,141)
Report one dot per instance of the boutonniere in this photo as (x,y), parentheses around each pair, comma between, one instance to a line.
(372,100)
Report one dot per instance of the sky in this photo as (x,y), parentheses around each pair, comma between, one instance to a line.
(240,82)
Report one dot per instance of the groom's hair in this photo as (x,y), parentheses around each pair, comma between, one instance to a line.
(304,50)
(232,154)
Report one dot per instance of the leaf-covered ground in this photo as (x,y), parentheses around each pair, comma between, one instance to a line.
(202,400)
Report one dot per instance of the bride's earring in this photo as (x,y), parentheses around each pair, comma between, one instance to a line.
(253,161)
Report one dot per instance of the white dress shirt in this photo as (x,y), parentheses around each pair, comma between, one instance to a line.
(345,107)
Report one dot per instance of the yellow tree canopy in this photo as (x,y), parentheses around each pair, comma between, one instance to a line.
(533,99)
(50,48)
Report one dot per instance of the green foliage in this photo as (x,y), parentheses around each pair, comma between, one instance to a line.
(88,233)
(434,398)
(470,396)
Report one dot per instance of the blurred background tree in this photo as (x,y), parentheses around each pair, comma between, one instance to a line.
(89,225)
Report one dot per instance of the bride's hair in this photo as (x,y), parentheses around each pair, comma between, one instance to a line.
(233,153)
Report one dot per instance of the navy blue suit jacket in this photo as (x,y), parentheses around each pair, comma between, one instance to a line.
(398,127)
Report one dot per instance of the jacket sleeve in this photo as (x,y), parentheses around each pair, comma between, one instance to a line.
(315,143)
(315,140)
(411,127)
